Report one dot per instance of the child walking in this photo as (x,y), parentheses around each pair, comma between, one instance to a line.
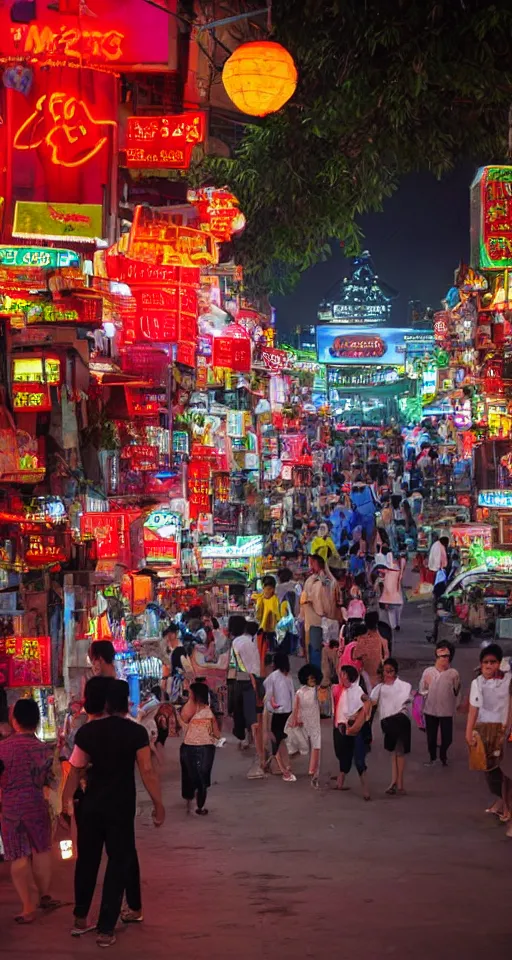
(197,752)
(306,714)
(279,696)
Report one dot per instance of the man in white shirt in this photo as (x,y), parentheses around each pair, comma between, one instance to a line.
(246,710)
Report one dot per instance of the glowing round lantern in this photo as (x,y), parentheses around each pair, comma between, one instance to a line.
(260,77)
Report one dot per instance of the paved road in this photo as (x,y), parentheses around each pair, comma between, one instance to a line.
(278,871)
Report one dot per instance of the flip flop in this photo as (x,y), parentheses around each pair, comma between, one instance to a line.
(129,916)
(24,918)
(48,903)
(392,790)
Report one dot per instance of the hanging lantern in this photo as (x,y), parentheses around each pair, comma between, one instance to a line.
(260,77)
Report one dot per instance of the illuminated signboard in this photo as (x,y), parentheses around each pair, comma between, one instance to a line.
(162,536)
(491,218)
(111,532)
(465,534)
(155,237)
(243,547)
(68,310)
(355,312)
(36,370)
(352,345)
(27,397)
(497,499)
(219,209)
(163,141)
(25,661)
(418,344)
(499,561)
(50,257)
(164,313)
(80,222)
(108,34)
(44,549)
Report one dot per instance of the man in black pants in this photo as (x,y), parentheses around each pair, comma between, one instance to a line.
(111,746)
(440,685)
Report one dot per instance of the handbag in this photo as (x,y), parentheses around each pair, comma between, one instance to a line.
(418,711)
(477,755)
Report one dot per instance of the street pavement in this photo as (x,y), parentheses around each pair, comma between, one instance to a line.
(278,870)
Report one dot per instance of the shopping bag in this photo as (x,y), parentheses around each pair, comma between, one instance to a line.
(296,739)
(477,756)
(418,710)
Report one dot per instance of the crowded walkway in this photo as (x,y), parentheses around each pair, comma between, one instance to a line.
(285,870)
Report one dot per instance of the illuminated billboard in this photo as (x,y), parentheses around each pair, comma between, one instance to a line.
(337,344)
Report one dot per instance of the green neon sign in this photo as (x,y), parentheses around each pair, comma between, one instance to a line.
(43,257)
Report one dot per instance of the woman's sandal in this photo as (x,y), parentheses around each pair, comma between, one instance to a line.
(202,813)
(23,918)
(392,790)
(313,779)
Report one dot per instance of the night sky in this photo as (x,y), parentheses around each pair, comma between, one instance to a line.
(416,244)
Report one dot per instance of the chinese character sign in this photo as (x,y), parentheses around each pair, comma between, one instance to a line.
(491,218)
(25,661)
(163,141)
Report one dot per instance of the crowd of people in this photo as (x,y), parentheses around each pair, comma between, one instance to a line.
(340,615)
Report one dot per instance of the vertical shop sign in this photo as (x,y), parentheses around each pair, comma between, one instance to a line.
(26,661)
(491,218)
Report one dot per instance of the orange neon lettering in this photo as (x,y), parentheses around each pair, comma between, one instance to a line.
(66,127)
(72,42)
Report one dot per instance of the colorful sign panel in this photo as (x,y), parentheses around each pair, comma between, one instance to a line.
(491,218)
(111,532)
(419,344)
(163,141)
(243,547)
(112,35)
(162,535)
(49,257)
(353,345)
(25,661)
(67,310)
(80,222)
(495,499)
(465,534)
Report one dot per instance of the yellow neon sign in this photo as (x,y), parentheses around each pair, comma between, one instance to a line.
(71,138)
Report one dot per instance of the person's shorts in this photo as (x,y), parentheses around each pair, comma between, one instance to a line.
(397,734)
(277,726)
(162,735)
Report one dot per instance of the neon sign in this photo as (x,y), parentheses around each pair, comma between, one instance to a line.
(66,43)
(38,257)
(65,126)
(219,209)
(155,237)
(163,141)
(501,499)
(26,397)
(491,218)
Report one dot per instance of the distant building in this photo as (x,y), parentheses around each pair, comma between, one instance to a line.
(362,298)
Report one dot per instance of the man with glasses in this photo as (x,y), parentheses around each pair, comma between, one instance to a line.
(440,685)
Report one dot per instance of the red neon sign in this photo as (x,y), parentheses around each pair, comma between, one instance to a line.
(163,141)
(219,209)
(27,397)
(63,125)
(157,238)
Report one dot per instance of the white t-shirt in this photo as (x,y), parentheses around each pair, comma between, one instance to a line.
(279,687)
(350,701)
(246,651)
(392,698)
(491,697)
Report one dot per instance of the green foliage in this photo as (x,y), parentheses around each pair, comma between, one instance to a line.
(386,87)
